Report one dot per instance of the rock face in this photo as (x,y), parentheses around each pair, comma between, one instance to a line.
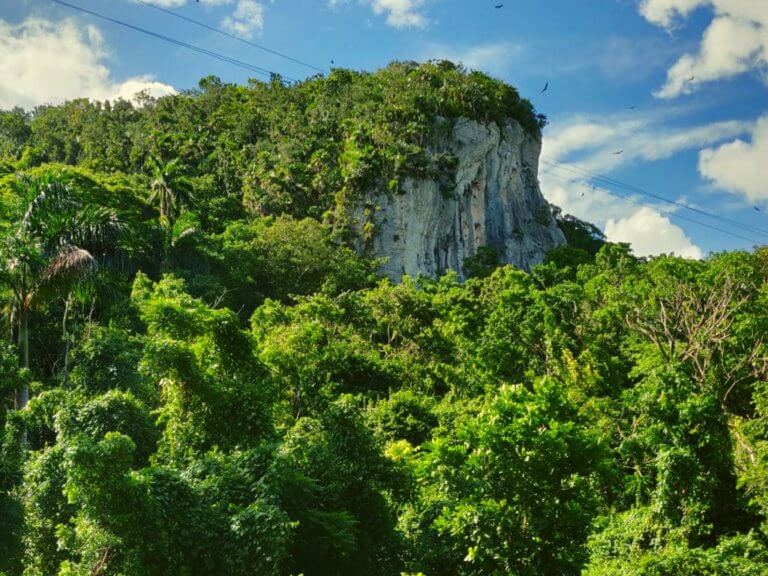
(494,200)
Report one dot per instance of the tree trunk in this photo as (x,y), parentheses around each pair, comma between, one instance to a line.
(22,394)
(65,335)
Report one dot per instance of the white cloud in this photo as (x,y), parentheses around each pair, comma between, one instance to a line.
(664,12)
(640,137)
(493,58)
(399,13)
(575,196)
(167,3)
(644,227)
(47,62)
(177,3)
(246,20)
(130,88)
(735,42)
(740,167)
(651,234)
(587,145)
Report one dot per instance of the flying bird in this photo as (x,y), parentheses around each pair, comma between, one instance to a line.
(691,79)
(632,107)
(618,152)
(499,6)
(546,86)
(756,208)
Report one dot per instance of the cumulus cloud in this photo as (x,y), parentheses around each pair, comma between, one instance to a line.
(587,145)
(50,62)
(128,89)
(735,42)
(740,167)
(399,13)
(246,20)
(665,12)
(494,58)
(651,234)
(623,220)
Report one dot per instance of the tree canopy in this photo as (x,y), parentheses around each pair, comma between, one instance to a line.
(220,386)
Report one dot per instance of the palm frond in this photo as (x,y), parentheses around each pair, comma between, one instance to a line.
(67,268)
(154,192)
(95,228)
(46,197)
(184,234)
(154,164)
(173,167)
(70,262)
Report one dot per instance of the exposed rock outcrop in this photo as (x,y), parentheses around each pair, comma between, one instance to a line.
(492,199)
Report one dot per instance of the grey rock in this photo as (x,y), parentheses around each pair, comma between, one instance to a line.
(494,200)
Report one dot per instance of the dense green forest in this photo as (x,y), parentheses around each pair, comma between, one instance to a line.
(200,377)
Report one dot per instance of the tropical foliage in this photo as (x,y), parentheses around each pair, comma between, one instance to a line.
(219,385)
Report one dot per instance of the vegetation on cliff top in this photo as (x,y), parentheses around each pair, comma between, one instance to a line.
(296,149)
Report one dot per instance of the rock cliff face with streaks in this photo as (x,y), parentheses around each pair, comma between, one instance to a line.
(491,198)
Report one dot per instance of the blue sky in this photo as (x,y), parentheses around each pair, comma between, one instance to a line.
(695,73)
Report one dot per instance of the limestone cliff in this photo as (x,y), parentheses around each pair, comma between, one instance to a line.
(491,199)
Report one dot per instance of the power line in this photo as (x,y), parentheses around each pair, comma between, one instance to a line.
(594,176)
(233,36)
(669,213)
(666,212)
(212,54)
(584,173)
(612,181)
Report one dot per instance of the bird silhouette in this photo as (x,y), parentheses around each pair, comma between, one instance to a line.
(756,208)
(691,79)
(499,6)
(618,152)
(546,87)
(632,107)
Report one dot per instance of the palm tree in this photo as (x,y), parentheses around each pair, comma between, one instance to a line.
(56,243)
(169,189)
